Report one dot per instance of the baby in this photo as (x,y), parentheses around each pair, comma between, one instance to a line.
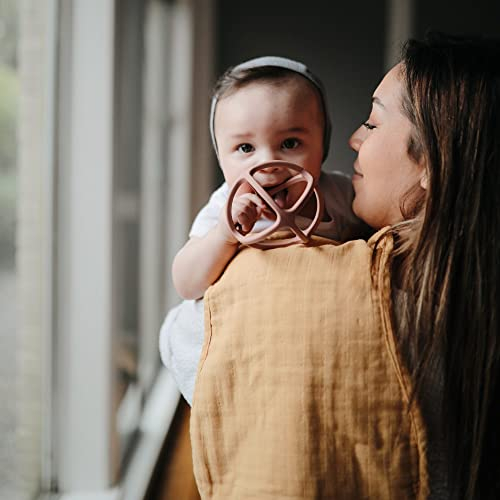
(265,109)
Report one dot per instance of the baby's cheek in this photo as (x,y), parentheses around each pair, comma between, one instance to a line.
(232,171)
(314,169)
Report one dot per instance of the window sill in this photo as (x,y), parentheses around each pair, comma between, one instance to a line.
(155,422)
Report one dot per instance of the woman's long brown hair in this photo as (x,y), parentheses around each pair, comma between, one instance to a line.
(450,252)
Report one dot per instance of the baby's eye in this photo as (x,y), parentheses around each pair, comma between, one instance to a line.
(290,143)
(245,148)
(369,126)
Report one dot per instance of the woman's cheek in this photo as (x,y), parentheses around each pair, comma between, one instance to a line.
(365,156)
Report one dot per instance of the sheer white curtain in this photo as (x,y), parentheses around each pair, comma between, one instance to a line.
(8,198)
(25,270)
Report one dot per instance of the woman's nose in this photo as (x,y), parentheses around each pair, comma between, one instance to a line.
(356,139)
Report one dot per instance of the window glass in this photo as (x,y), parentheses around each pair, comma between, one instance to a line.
(8,182)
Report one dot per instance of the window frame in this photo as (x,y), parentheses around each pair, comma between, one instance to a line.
(81,451)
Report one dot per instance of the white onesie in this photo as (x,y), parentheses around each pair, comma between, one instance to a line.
(181,335)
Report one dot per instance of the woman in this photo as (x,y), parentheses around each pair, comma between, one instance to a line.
(448,257)
(427,174)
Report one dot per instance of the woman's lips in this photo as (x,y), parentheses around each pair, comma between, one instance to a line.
(357,174)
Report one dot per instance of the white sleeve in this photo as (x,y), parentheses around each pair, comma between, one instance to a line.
(181,342)
(181,335)
(209,215)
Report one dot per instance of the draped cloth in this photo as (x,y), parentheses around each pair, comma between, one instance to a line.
(301,392)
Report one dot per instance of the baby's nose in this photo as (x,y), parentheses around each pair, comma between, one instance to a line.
(268,155)
(271,169)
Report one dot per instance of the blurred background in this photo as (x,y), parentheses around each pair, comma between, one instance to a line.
(105,157)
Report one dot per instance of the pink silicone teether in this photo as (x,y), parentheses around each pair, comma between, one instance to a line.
(285,217)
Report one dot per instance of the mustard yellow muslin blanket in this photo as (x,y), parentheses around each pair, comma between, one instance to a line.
(300,390)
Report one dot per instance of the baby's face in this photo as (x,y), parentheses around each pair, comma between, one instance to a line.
(264,122)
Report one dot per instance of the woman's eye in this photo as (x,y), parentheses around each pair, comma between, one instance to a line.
(290,143)
(369,126)
(245,148)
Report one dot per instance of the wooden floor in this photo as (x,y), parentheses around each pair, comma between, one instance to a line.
(173,478)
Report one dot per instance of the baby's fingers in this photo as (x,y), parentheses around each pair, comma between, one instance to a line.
(251,199)
(247,209)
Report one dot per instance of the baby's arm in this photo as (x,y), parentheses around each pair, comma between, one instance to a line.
(201,260)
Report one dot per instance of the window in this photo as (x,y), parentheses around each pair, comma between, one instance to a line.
(26,247)
(124,173)
(97,119)
(11,376)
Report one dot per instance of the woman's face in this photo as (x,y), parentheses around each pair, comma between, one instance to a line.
(383,170)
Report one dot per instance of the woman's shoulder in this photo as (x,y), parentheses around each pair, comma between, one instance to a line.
(383,237)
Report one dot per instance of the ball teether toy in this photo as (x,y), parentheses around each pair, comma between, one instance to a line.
(285,217)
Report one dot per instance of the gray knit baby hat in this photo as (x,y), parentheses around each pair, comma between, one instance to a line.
(290,64)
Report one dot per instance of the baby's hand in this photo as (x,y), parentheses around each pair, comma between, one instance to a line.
(246,210)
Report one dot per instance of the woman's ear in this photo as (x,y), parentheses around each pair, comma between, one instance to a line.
(424,179)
